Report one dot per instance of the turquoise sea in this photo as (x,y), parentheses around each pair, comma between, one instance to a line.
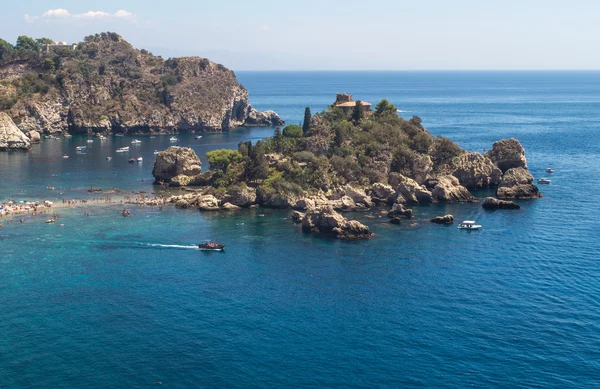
(113,302)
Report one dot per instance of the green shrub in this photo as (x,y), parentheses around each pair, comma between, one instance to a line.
(292,131)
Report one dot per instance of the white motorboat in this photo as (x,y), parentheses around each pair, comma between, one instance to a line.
(123,149)
(173,139)
(469,225)
(80,148)
(139,159)
(109,158)
(549,170)
(136,141)
(198,137)
(90,141)
(544,181)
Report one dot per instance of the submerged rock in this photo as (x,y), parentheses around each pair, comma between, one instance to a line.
(325,219)
(11,137)
(396,220)
(507,154)
(446,219)
(176,161)
(517,183)
(493,203)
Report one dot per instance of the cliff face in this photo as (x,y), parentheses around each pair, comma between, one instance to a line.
(11,138)
(106,85)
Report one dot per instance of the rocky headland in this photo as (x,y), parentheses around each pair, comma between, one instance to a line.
(11,138)
(345,161)
(104,85)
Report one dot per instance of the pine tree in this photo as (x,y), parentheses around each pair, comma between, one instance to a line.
(306,123)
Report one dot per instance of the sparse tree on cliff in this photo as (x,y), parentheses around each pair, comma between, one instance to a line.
(306,123)
(26,43)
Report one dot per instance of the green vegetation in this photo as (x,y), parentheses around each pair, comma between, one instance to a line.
(306,122)
(340,148)
(292,131)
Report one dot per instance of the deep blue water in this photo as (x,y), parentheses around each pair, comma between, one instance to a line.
(107,301)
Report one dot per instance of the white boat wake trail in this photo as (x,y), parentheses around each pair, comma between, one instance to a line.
(173,246)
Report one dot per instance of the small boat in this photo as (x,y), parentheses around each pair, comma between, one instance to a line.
(469,225)
(139,159)
(173,139)
(122,149)
(549,170)
(198,137)
(156,152)
(102,137)
(65,156)
(109,158)
(90,141)
(210,246)
(80,148)
(119,135)
(544,181)
(152,137)
(136,142)
(50,221)
(131,160)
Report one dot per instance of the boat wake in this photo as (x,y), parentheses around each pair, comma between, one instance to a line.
(173,246)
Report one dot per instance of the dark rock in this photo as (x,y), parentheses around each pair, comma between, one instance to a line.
(396,220)
(493,203)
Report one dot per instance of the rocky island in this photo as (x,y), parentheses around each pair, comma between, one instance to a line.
(347,158)
(104,85)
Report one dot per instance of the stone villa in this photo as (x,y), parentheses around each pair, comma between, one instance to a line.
(344,101)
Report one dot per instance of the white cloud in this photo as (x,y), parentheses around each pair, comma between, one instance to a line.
(265,28)
(56,13)
(63,14)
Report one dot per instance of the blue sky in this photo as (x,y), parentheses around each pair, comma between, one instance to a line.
(333,35)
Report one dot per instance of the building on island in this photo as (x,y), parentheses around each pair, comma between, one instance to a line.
(59,45)
(345,102)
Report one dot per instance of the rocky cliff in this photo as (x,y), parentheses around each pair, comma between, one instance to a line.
(106,85)
(11,138)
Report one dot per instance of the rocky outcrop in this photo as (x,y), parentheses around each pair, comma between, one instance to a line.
(176,162)
(448,189)
(446,219)
(326,220)
(399,210)
(34,136)
(493,203)
(230,207)
(396,221)
(422,165)
(507,154)
(11,138)
(409,191)
(517,183)
(357,195)
(106,85)
(241,197)
(382,193)
(475,171)
(297,217)
(207,203)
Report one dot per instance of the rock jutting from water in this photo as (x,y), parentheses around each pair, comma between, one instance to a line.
(493,203)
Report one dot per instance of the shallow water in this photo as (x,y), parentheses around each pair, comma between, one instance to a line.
(107,301)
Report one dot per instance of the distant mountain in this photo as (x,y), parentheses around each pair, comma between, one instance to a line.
(105,85)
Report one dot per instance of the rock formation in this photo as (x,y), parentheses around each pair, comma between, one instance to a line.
(507,154)
(446,219)
(174,163)
(105,85)
(241,197)
(381,193)
(34,136)
(474,171)
(517,183)
(325,219)
(448,189)
(410,192)
(11,138)
(493,203)
(398,210)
